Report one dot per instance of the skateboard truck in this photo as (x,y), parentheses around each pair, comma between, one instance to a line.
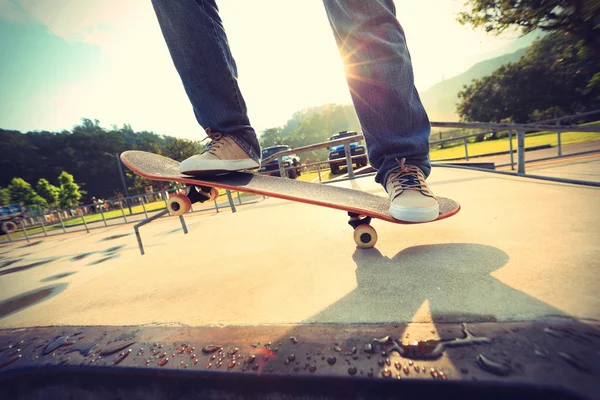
(179,204)
(365,235)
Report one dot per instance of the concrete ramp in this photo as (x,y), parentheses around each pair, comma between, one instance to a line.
(519,249)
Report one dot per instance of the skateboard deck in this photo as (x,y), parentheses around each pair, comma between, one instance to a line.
(355,202)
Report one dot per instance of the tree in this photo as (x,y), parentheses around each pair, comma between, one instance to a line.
(69,194)
(48,192)
(180,149)
(4,197)
(20,191)
(270,137)
(556,77)
(580,18)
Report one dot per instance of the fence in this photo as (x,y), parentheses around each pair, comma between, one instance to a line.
(113,212)
(518,131)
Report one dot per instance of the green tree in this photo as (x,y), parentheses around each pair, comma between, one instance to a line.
(180,149)
(4,197)
(270,137)
(556,77)
(581,18)
(69,190)
(20,191)
(48,192)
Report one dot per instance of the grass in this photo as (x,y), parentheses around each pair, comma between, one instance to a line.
(309,176)
(531,140)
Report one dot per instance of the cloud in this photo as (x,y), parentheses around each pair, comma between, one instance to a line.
(106,23)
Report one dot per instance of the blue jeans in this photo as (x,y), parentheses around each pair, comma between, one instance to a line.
(378,71)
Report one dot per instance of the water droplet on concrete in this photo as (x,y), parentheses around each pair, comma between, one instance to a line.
(337,349)
(115,348)
(233,351)
(388,362)
(163,362)
(291,358)
(250,359)
(574,361)
(368,348)
(211,348)
(541,353)
(352,370)
(397,365)
(312,368)
(331,360)
(231,364)
(254,367)
(121,357)
(293,339)
(56,343)
(384,340)
(406,370)
(9,361)
(386,373)
(554,332)
(492,366)
(381,363)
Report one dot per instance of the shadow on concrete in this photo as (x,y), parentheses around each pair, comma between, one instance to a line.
(58,276)
(28,266)
(114,237)
(81,256)
(25,300)
(103,259)
(452,280)
(31,244)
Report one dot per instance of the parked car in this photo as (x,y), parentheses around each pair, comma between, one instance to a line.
(272,167)
(337,154)
(10,217)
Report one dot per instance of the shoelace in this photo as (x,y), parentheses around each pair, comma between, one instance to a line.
(408,177)
(215,142)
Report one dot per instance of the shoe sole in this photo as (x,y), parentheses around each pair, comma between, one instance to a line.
(414,214)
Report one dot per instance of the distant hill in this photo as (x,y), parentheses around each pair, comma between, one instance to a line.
(440,100)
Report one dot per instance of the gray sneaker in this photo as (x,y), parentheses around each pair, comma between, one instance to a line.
(410,198)
(221,155)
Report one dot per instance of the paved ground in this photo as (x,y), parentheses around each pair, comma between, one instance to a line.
(518,250)
(584,168)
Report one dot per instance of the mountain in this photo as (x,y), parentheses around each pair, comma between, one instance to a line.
(440,100)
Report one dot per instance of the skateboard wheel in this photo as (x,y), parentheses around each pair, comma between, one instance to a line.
(365,236)
(179,204)
(214,193)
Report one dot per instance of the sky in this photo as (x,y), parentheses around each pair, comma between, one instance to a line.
(62,60)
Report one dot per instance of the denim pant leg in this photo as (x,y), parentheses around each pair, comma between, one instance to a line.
(194,34)
(379,73)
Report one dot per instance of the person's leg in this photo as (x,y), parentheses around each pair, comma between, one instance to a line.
(379,73)
(200,51)
(380,77)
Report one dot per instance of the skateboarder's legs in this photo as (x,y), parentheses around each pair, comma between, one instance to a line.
(379,74)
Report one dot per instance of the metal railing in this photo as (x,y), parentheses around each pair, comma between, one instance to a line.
(513,130)
(125,210)
(518,130)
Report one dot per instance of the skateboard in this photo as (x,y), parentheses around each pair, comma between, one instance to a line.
(361,206)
